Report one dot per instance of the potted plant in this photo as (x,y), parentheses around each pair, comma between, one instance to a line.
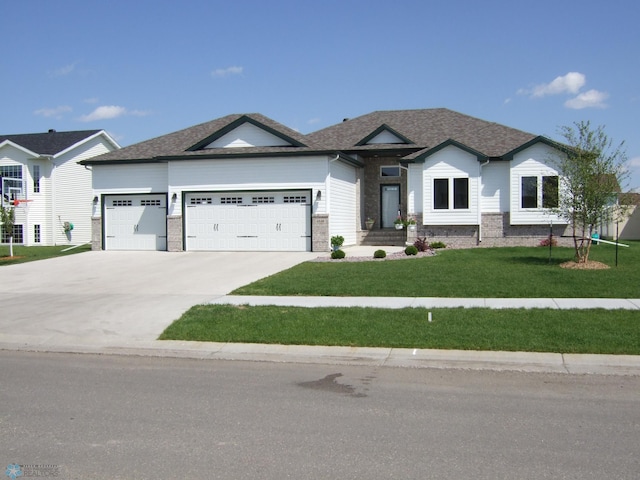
(369,223)
(336,242)
(399,223)
(411,223)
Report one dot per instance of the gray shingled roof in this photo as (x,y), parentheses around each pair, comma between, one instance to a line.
(426,128)
(49,143)
(177,144)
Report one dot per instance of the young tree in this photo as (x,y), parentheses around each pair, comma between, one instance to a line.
(7,218)
(592,172)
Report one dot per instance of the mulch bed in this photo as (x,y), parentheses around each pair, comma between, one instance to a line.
(590,265)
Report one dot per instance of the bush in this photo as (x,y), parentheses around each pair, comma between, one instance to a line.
(379,254)
(421,244)
(437,245)
(338,254)
(411,250)
(336,242)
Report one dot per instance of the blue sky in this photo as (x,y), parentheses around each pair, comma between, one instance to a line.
(140,69)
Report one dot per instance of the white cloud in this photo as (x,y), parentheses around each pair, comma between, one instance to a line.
(633,162)
(63,71)
(589,99)
(223,72)
(572,82)
(313,121)
(91,100)
(104,112)
(53,112)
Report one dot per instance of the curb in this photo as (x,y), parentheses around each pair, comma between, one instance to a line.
(530,362)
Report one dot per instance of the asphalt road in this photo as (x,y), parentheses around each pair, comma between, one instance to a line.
(119,417)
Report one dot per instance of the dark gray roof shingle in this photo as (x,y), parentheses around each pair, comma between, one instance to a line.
(426,128)
(50,143)
(177,144)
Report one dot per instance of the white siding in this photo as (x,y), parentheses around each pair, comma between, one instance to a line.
(248,135)
(385,137)
(414,189)
(532,162)
(451,162)
(494,192)
(342,202)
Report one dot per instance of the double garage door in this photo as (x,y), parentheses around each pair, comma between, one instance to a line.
(248,221)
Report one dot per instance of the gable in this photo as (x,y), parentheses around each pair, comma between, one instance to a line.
(384,135)
(248,135)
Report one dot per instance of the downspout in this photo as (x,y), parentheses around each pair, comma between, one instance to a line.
(480,201)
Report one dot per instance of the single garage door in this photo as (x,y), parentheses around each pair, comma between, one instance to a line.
(248,221)
(135,222)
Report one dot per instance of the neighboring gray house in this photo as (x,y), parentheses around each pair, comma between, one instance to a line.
(246,182)
(40,172)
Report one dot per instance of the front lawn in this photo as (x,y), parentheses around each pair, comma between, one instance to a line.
(535,330)
(516,272)
(23,254)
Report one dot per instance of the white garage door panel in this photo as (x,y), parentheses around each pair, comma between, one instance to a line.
(136,222)
(248,221)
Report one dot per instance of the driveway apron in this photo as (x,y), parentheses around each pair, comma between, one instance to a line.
(114,296)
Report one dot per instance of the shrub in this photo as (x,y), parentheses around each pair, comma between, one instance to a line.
(421,244)
(379,254)
(337,241)
(338,254)
(411,250)
(548,241)
(437,245)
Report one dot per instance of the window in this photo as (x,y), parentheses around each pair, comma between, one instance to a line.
(295,199)
(530,193)
(11,171)
(441,200)
(441,193)
(122,203)
(392,171)
(151,202)
(36,179)
(460,193)
(201,201)
(265,199)
(36,233)
(17,234)
(231,200)
(550,197)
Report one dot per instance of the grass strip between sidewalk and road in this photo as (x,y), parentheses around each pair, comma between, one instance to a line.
(594,331)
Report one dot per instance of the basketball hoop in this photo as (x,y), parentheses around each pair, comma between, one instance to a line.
(17,202)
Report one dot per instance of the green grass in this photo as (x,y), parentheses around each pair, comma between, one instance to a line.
(23,254)
(536,330)
(517,272)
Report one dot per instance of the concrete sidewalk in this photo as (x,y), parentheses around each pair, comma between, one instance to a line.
(432,302)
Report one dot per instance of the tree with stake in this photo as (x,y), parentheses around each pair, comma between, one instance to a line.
(7,217)
(592,171)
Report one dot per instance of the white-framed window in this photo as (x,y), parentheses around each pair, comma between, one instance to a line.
(539,191)
(36,179)
(390,171)
(451,192)
(36,233)
(17,234)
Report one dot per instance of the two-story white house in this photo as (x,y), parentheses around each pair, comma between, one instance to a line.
(50,190)
(246,182)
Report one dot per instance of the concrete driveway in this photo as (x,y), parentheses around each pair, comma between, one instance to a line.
(105,298)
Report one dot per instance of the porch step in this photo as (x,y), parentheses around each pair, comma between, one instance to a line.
(383,237)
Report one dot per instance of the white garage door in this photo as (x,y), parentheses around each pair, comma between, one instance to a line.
(248,221)
(135,222)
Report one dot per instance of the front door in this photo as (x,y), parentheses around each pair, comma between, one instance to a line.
(389,204)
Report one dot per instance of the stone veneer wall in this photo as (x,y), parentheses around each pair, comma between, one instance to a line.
(496,232)
(174,233)
(320,233)
(96,233)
